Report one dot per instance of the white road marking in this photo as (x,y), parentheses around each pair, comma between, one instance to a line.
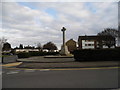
(45,70)
(29,70)
(12,72)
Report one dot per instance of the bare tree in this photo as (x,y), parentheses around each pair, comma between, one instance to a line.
(110,32)
(6,46)
(50,46)
(21,46)
(2,41)
(39,46)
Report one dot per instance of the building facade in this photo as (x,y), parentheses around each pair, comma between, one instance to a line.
(95,42)
(72,45)
(25,50)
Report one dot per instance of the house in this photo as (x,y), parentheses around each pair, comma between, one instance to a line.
(25,50)
(94,42)
(72,45)
(34,50)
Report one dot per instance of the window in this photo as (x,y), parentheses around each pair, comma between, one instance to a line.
(89,44)
(89,40)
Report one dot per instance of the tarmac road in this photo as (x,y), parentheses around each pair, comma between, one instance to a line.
(61,78)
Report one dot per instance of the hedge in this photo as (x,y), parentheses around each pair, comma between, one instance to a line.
(35,53)
(97,54)
(23,55)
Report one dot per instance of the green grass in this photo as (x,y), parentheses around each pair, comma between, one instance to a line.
(4,55)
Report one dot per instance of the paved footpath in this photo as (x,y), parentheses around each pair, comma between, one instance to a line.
(40,62)
(42,59)
(44,63)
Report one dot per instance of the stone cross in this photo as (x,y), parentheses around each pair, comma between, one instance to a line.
(63,30)
(64,48)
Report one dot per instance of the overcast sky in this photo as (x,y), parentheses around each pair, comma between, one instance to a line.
(29,23)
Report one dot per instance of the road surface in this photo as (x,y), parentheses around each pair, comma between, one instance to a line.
(61,78)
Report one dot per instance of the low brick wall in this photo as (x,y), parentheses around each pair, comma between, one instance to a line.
(9,59)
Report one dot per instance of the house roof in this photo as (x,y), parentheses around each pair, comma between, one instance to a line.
(105,37)
(71,40)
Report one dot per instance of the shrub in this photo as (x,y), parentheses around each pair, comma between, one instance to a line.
(52,53)
(96,55)
(34,53)
(23,55)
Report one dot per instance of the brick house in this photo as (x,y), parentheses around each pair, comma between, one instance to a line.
(94,42)
(72,45)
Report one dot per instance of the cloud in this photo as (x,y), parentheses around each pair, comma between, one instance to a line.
(32,23)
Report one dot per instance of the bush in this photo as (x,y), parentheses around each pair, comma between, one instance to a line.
(35,53)
(52,53)
(97,55)
(23,55)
